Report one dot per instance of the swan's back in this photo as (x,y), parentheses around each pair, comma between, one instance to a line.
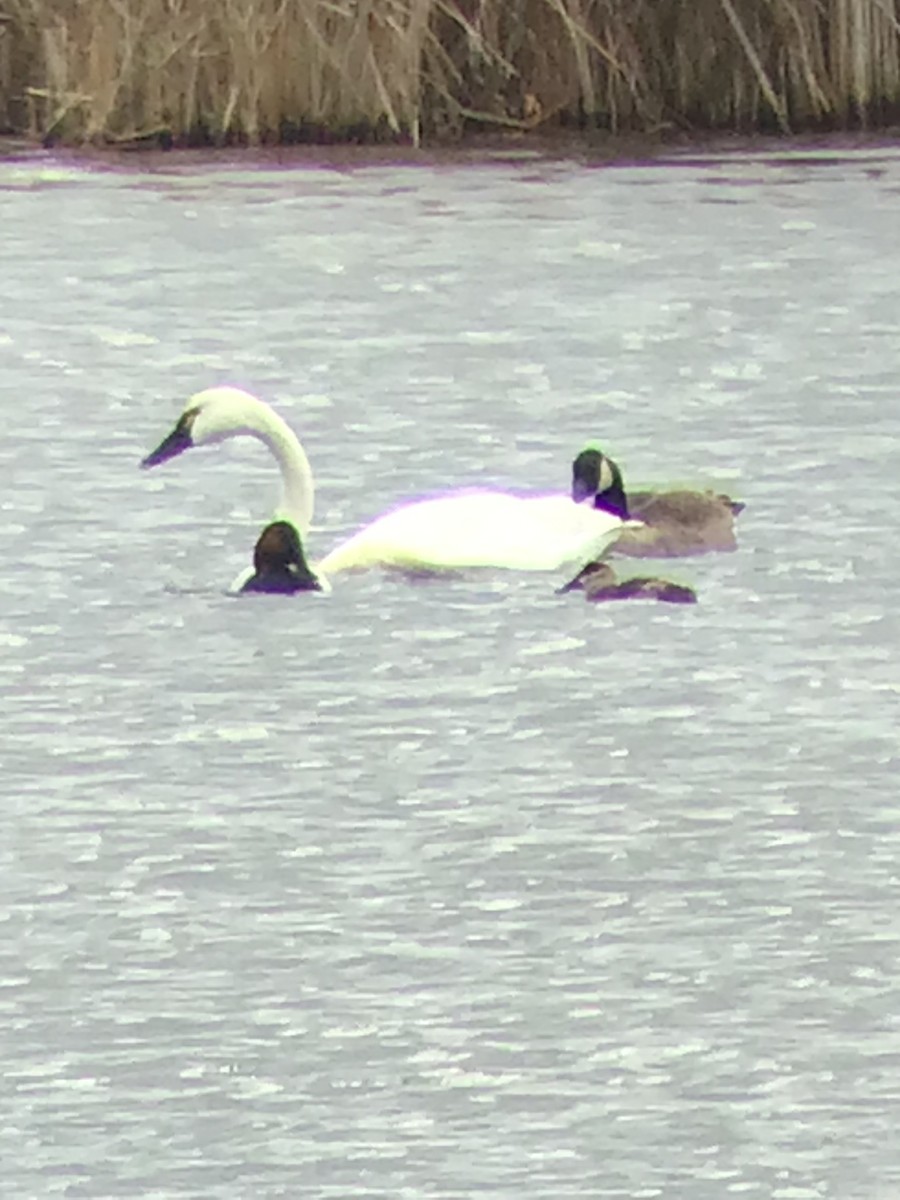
(479,529)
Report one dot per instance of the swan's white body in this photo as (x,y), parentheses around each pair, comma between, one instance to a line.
(478,529)
(463,529)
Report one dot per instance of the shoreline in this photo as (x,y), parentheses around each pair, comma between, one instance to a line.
(590,149)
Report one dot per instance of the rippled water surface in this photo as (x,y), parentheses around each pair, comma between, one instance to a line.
(459,888)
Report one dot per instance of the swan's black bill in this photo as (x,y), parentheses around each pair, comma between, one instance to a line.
(178,441)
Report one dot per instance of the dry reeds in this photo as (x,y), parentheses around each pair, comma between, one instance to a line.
(278,70)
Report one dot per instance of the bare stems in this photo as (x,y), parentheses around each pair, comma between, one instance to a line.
(272,70)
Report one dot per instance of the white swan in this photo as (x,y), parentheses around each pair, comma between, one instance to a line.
(456,531)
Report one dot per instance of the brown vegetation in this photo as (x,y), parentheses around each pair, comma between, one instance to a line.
(213,71)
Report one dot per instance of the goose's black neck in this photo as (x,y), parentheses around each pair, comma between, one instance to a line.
(613,499)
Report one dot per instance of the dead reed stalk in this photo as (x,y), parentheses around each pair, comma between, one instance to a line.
(268,70)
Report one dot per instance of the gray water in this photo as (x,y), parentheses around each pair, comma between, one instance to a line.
(460,888)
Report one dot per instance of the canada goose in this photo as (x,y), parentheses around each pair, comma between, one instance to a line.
(676,522)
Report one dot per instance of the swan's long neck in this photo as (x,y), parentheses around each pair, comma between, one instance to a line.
(296,504)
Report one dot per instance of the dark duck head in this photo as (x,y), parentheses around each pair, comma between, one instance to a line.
(279,564)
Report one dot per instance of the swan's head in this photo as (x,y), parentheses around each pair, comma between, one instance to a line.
(209,417)
(595,475)
(279,564)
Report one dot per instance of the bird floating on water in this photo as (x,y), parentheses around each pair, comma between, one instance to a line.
(676,522)
(455,531)
(279,564)
(599,582)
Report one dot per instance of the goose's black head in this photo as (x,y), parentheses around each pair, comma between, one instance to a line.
(279,564)
(596,475)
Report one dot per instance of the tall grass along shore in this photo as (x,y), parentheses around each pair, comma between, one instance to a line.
(256,71)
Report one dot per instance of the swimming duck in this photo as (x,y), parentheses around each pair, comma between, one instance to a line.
(676,522)
(459,530)
(279,564)
(598,581)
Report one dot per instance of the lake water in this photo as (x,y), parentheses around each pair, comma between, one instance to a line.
(460,888)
